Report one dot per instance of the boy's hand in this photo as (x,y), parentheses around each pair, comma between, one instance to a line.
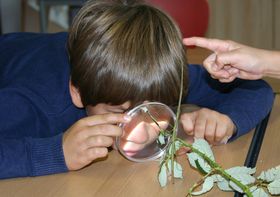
(89,138)
(213,126)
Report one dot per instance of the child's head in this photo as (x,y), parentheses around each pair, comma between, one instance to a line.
(125,51)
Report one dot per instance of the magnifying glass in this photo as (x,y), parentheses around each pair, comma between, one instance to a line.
(146,136)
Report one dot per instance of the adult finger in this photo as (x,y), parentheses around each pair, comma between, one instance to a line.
(228,59)
(233,71)
(228,80)
(211,44)
(209,63)
(216,71)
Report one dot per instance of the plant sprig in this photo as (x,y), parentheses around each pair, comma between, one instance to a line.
(201,157)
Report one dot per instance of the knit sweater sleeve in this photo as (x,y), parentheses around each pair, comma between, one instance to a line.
(31,157)
(24,150)
(33,70)
(245,102)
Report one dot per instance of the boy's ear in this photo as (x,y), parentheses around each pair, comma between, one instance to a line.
(75,95)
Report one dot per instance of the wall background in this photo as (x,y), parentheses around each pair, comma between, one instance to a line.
(57,14)
(10,11)
(252,22)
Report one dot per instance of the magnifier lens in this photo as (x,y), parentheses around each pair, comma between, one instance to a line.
(140,140)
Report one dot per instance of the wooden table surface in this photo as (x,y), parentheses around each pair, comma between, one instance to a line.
(115,176)
(118,177)
(269,155)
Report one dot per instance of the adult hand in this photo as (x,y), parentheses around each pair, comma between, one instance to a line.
(89,139)
(231,59)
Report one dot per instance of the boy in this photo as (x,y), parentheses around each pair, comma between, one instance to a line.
(121,54)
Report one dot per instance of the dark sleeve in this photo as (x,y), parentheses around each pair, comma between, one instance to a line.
(30,143)
(29,156)
(245,102)
(25,148)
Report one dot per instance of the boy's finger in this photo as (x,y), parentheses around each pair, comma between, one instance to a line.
(188,120)
(210,131)
(200,126)
(225,140)
(97,152)
(102,130)
(112,118)
(220,134)
(99,141)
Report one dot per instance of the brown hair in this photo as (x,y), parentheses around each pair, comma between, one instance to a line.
(126,51)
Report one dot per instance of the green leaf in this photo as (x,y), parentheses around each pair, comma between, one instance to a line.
(162,176)
(195,158)
(203,146)
(270,175)
(241,170)
(259,192)
(161,139)
(178,171)
(200,169)
(235,187)
(274,187)
(252,190)
(207,186)
(242,174)
(177,145)
(224,185)
(217,178)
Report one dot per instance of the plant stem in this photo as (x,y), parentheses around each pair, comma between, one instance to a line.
(175,128)
(218,168)
(199,183)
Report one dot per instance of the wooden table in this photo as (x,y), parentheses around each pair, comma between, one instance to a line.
(270,151)
(118,177)
(115,176)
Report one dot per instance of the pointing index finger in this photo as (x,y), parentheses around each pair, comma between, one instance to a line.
(211,44)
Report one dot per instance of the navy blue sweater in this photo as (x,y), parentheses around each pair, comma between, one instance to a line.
(36,107)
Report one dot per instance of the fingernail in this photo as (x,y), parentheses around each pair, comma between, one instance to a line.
(127,118)
(225,140)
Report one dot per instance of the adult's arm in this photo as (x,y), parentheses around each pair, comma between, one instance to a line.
(245,102)
(232,60)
